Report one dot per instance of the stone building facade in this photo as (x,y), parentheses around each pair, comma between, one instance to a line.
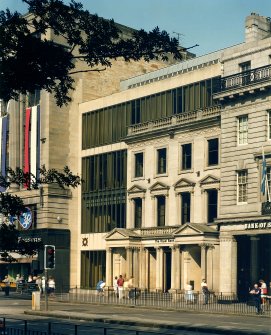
(185,202)
(55,212)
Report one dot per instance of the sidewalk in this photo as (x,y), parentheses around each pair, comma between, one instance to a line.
(176,320)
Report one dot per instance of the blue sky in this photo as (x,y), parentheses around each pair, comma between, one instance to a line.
(213,24)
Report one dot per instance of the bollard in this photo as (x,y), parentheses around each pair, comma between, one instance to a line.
(36,301)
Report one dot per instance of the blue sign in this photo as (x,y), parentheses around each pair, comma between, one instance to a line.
(26,218)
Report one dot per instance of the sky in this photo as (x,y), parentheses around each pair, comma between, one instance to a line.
(213,24)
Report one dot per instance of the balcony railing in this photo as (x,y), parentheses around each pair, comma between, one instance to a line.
(175,120)
(246,78)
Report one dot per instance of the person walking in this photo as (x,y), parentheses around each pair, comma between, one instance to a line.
(115,286)
(256,297)
(51,286)
(120,283)
(263,288)
(7,285)
(205,291)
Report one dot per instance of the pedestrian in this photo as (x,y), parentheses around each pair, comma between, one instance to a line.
(189,295)
(256,297)
(7,285)
(120,283)
(17,281)
(100,287)
(51,286)
(43,284)
(205,291)
(115,286)
(39,283)
(263,288)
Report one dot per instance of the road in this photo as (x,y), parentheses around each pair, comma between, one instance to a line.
(59,312)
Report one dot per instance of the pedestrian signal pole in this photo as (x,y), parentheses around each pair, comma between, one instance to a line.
(49,264)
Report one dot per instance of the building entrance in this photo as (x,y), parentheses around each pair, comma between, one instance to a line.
(253,262)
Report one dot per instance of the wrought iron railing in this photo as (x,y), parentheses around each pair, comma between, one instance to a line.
(246,78)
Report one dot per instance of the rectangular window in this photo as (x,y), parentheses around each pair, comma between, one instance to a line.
(243,129)
(211,205)
(246,66)
(268,176)
(138,212)
(186,205)
(242,184)
(93,268)
(139,161)
(186,156)
(161,161)
(213,151)
(161,210)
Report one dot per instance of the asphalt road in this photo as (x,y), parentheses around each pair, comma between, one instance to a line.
(60,312)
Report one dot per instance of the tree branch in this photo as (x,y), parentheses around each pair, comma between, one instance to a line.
(92,70)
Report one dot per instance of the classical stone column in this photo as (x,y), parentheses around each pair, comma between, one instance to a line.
(136,267)
(108,267)
(254,264)
(228,264)
(159,268)
(175,267)
(203,261)
(129,262)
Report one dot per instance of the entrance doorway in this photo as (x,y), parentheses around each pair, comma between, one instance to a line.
(253,262)
(167,270)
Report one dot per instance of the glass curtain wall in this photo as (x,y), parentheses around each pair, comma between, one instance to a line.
(104,192)
(93,268)
(100,126)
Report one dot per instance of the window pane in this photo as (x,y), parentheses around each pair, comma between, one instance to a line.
(139,164)
(161,160)
(161,211)
(186,204)
(242,186)
(138,212)
(186,156)
(242,129)
(213,151)
(211,205)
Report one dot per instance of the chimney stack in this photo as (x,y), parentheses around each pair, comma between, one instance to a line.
(257,27)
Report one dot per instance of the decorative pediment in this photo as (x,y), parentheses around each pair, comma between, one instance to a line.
(136,189)
(158,186)
(120,234)
(209,180)
(194,229)
(184,183)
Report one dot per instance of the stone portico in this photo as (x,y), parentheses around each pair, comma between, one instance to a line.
(164,258)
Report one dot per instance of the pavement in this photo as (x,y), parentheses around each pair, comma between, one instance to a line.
(202,322)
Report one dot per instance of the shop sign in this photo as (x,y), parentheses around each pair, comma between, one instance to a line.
(26,218)
(30,239)
(258,225)
(165,240)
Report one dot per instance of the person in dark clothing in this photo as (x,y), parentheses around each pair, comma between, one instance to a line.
(256,296)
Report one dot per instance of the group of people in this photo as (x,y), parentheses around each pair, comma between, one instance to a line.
(38,280)
(123,288)
(259,296)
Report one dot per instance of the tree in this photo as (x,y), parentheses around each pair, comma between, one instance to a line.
(12,206)
(29,62)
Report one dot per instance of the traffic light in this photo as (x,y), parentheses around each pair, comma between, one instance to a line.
(49,257)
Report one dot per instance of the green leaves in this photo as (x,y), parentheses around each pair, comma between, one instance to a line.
(29,62)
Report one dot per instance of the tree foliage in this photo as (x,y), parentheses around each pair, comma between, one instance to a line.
(29,62)
(12,206)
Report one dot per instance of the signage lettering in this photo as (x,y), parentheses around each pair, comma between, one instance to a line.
(165,240)
(258,225)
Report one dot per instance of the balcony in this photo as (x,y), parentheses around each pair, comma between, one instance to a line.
(245,82)
(266,208)
(175,121)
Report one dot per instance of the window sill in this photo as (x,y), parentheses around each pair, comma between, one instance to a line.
(161,175)
(186,171)
(212,167)
(138,178)
(241,203)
